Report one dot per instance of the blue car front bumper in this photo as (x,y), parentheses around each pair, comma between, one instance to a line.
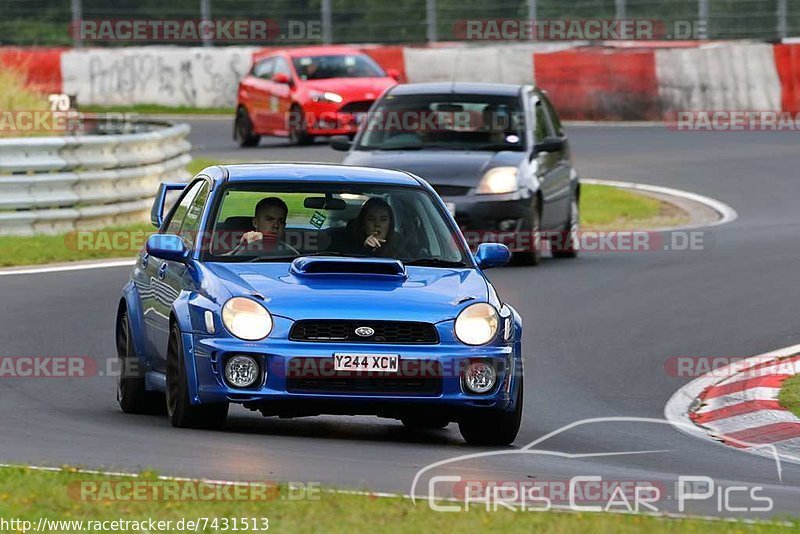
(298,377)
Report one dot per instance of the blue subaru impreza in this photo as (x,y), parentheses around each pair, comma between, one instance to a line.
(298,290)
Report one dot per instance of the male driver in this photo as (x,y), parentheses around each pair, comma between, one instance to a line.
(269,222)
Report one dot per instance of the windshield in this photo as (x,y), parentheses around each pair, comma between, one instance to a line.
(444,122)
(337,66)
(280,222)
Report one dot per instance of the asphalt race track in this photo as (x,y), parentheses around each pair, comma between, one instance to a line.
(598,332)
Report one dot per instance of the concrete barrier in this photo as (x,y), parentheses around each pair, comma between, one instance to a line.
(166,75)
(600,83)
(501,64)
(603,81)
(726,76)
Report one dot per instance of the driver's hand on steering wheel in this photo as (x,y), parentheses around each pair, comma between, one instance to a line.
(251,236)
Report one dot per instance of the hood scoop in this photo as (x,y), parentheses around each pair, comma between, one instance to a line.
(337,266)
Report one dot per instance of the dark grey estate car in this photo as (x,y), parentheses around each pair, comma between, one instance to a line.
(496,153)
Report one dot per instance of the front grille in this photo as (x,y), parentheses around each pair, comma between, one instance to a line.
(315,375)
(450,190)
(400,332)
(359,106)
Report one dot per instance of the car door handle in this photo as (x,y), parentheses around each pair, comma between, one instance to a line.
(145,260)
(162,271)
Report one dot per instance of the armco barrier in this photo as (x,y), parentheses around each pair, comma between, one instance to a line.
(58,184)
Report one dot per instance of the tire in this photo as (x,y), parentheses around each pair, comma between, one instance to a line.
(421,422)
(243,129)
(534,226)
(298,136)
(132,395)
(568,246)
(493,429)
(180,411)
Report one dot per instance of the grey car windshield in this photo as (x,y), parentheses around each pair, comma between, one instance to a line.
(445,122)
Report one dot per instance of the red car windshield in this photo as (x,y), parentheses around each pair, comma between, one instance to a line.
(337,66)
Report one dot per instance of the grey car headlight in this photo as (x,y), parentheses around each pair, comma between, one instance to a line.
(246,319)
(499,180)
(477,324)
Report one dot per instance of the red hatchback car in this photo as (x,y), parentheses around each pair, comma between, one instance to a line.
(305,92)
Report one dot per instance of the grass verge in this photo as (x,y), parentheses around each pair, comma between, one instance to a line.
(601,207)
(790,395)
(607,208)
(29,495)
(156,109)
(15,96)
(58,248)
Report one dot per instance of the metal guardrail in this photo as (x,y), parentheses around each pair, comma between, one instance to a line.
(58,184)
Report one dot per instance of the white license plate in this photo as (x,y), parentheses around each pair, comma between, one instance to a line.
(388,363)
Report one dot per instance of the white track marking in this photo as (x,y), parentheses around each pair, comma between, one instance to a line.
(63,268)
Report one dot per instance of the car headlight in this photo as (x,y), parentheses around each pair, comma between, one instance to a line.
(499,180)
(246,319)
(477,324)
(326,97)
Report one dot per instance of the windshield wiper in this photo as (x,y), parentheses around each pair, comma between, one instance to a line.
(408,147)
(331,254)
(434,262)
(496,147)
(273,258)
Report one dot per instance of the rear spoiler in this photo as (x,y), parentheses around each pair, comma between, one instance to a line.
(156,212)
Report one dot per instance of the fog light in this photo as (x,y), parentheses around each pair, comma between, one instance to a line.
(241,371)
(480,377)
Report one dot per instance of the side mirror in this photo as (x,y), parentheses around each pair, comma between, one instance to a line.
(167,247)
(394,74)
(550,144)
(281,77)
(492,255)
(157,211)
(341,143)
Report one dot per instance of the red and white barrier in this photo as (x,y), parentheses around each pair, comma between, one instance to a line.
(727,76)
(615,81)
